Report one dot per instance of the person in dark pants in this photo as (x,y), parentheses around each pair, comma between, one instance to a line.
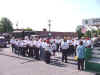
(13,48)
(47,57)
(80,64)
(80,52)
(25,49)
(64,55)
(12,42)
(41,53)
(71,49)
(64,50)
(36,51)
(30,53)
(31,49)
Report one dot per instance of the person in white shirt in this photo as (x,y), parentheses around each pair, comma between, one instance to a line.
(54,47)
(17,47)
(58,41)
(47,55)
(64,47)
(42,48)
(21,46)
(37,48)
(12,42)
(89,43)
(31,48)
(25,48)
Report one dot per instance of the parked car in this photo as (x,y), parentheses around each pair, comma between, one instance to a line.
(3,42)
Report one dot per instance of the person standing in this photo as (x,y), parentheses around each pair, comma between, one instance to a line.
(25,48)
(42,49)
(12,42)
(31,49)
(80,52)
(48,50)
(54,47)
(21,47)
(64,48)
(37,48)
(57,41)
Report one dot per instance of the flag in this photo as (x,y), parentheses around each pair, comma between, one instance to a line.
(83,29)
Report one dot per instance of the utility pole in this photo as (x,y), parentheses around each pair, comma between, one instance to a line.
(49,21)
(49,34)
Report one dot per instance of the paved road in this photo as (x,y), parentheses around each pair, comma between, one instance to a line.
(11,64)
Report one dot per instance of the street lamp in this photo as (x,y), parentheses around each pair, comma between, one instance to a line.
(49,21)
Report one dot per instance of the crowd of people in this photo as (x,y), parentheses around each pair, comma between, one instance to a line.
(44,48)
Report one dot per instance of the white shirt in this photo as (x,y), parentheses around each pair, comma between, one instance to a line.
(37,44)
(12,41)
(43,44)
(69,41)
(64,45)
(48,47)
(21,43)
(89,42)
(54,47)
(31,43)
(57,41)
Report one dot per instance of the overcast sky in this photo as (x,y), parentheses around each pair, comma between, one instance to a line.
(65,15)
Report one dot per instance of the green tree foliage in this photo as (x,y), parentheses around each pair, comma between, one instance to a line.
(5,25)
(1,28)
(28,29)
(78,30)
(88,34)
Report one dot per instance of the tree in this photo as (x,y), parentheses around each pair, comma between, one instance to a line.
(5,25)
(28,29)
(1,28)
(78,30)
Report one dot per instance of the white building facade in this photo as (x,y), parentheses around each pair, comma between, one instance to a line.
(94,21)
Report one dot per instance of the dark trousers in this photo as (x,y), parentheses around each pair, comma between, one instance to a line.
(20,50)
(36,51)
(24,51)
(64,55)
(13,47)
(30,53)
(80,64)
(47,57)
(57,48)
(41,53)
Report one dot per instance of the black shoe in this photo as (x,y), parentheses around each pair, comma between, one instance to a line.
(66,62)
(62,60)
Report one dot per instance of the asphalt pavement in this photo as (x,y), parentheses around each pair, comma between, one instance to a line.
(12,64)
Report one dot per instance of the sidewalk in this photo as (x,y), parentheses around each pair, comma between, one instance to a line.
(40,68)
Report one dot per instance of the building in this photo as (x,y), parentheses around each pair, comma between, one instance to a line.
(45,33)
(92,22)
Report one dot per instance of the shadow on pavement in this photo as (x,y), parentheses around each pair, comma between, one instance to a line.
(1,50)
(56,62)
(73,62)
(27,61)
(22,58)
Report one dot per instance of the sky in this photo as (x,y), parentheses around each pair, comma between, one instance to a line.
(65,15)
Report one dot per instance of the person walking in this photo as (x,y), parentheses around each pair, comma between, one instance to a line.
(80,52)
